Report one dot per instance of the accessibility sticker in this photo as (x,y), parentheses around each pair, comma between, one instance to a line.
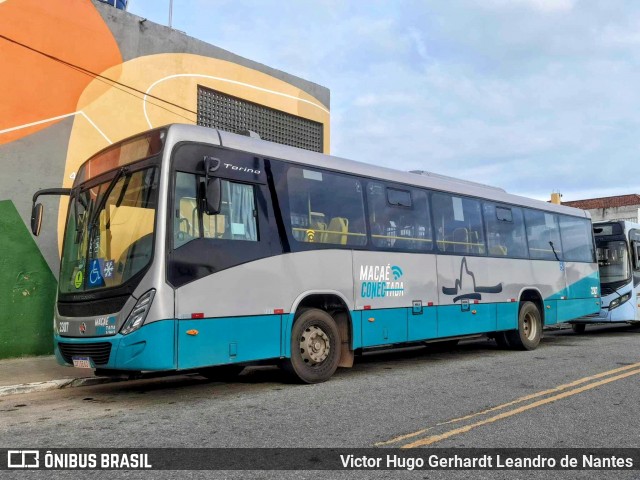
(95,274)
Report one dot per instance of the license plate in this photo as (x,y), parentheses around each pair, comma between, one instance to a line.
(82,362)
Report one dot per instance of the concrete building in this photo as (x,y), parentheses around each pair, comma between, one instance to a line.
(80,75)
(620,207)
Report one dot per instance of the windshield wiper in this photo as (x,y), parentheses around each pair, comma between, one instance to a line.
(95,214)
(79,218)
(79,231)
(123,191)
(554,250)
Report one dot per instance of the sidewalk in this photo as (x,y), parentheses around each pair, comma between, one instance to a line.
(31,374)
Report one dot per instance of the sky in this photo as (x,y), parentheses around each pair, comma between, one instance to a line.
(534,96)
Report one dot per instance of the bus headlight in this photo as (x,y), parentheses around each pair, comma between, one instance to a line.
(138,314)
(619,301)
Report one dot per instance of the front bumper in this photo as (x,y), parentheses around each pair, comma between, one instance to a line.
(151,348)
(624,313)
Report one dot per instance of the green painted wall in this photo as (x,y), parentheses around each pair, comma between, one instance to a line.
(27,290)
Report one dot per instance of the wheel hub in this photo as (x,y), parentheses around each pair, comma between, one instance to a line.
(529,326)
(314,345)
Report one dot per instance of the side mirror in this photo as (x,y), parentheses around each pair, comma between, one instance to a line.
(213,193)
(213,196)
(36,210)
(36,219)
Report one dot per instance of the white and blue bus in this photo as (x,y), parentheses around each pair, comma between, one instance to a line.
(618,254)
(192,249)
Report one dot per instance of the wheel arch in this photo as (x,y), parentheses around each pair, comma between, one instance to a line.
(335,304)
(533,295)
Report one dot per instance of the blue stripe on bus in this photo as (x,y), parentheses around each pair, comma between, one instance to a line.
(153,344)
(572,309)
(397,325)
(507,316)
(422,326)
(221,341)
(149,348)
(479,318)
(550,312)
(575,301)
(580,289)
(218,341)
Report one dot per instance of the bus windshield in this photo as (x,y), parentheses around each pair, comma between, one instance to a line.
(613,260)
(109,234)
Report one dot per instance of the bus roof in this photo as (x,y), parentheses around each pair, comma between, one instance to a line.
(180,132)
(625,224)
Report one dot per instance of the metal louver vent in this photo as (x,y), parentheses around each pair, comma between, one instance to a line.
(232,114)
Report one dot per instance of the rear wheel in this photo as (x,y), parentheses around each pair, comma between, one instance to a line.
(529,332)
(578,327)
(315,347)
(223,373)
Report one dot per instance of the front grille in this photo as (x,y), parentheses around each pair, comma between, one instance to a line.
(99,352)
(92,307)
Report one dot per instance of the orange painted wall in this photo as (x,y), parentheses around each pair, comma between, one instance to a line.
(34,87)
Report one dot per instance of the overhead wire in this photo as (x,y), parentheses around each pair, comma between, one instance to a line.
(109,81)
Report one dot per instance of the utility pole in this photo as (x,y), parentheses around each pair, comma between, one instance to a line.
(170,12)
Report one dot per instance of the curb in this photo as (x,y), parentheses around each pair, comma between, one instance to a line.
(52,385)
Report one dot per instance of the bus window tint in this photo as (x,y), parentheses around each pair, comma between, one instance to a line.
(613,261)
(543,235)
(458,224)
(325,207)
(185,220)
(237,217)
(505,231)
(236,220)
(399,218)
(634,239)
(577,242)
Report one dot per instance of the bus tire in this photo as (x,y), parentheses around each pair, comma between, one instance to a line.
(578,327)
(222,373)
(529,332)
(315,347)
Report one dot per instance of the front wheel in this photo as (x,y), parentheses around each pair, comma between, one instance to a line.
(315,347)
(529,332)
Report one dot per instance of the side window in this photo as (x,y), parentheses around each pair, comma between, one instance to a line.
(543,235)
(399,218)
(236,220)
(326,207)
(457,222)
(185,218)
(577,242)
(237,217)
(634,238)
(505,231)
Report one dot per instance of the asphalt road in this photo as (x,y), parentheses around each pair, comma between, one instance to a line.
(573,391)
